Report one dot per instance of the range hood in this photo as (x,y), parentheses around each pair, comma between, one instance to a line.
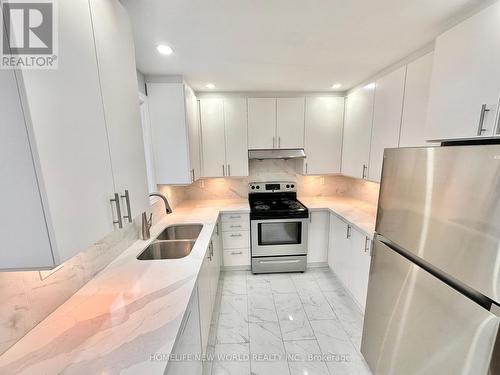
(282,153)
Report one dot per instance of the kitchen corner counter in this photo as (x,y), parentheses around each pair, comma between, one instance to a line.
(131,311)
(360,214)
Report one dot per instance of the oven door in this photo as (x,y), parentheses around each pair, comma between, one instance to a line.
(275,237)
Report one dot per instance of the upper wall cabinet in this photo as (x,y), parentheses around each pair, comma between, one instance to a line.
(357,132)
(275,123)
(175,132)
(261,123)
(465,84)
(418,79)
(224,137)
(323,134)
(117,72)
(57,148)
(388,106)
(290,122)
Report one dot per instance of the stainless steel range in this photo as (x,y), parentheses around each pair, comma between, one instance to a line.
(278,225)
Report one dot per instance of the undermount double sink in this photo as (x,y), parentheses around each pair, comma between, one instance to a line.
(175,242)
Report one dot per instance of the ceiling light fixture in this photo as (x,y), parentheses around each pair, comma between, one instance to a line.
(210,86)
(164,49)
(336,86)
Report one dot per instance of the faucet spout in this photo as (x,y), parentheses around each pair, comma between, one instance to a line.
(168,209)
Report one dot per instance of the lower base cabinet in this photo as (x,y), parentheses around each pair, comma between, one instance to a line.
(317,239)
(187,348)
(349,256)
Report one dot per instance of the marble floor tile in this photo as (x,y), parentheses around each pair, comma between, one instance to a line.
(233,320)
(259,286)
(316,306)
(282,286)
(342,356)
(234,283)
(261,308)
(292,318)
(305,357)
(270,367)
(231,359)
(344,306)
(265,339)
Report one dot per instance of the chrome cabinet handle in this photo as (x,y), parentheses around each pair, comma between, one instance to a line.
(210,251)
(236,253)
(235,226)
(119,221)
(348,235)
(229,169)
(279,261)
(364,171)
(366,244)
(192,175)
(306,168)
(217,228)
(127,203)
(480,129)
(223,170)
(235,217)
(279,142)
(235,235)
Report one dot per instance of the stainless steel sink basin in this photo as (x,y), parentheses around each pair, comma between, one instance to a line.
(181,232)
(167,250)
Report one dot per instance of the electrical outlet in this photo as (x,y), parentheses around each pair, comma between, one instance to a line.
(321,180)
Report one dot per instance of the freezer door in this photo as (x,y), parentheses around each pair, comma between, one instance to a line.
(416,324)
(443,204)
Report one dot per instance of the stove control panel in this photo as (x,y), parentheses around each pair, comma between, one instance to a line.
(272,187)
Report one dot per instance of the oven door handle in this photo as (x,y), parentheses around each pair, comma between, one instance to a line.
(279,261)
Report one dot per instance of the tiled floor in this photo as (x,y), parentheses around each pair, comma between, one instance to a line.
(285,324)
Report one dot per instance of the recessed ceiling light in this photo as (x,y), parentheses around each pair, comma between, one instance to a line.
(210,86)
(336,86)
(164,49)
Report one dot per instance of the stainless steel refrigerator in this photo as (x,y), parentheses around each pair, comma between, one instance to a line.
(434,287)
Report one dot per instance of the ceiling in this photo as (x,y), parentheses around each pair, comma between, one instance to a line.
(284,45)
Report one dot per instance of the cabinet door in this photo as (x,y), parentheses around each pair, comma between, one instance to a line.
(317,247)
(290,122)
(64,109)
(235,119)
(341,249)
(167,113)
(465,76)
(18,179)
(360,266)
(215,263)
(416,101)
(193,124)
(388,107)
(213,138)
(117,73)
(205,301)
(261,123)
(357,132)
(188,342)
(323,134)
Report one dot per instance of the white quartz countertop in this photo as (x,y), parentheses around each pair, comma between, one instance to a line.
(133,309)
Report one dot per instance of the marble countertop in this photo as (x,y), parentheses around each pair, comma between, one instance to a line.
(133,309)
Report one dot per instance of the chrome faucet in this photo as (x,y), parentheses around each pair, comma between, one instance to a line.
(146,226)
(168,209)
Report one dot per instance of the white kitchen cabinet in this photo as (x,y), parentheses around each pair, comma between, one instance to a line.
(261,123)
(224,137)
(69,146)
(169,104)
(194,132)
(349,256)
(188,342)
(323,134)
(388,107)
(236,130)
(465,77)
(215,263)
(236,240)
(117,73)
(290,122)
(213,137)
(416,102)
(317,246)
(357,132)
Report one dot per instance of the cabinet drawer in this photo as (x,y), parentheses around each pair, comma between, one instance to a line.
(236,240)
(235,226)
(235,217)
(237,257)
